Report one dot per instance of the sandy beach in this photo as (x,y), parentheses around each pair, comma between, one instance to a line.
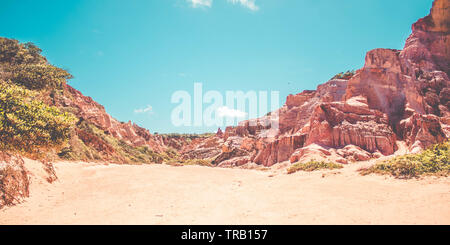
(88,193)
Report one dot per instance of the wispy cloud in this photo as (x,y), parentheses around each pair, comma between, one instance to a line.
(250,4)
(148,109)
(231,113)
(200,3)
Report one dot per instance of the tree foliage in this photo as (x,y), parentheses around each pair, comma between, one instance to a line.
(23,64)
(37,77)
(15,53)
(27,124)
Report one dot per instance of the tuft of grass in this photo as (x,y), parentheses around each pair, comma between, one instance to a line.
(313,165)
(199,162)
(347,75)
(432,161)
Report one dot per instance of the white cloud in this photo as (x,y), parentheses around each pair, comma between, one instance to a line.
(148,109)
(250,4)
(227,112)
(200,3)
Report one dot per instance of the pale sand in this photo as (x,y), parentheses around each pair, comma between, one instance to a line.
(160,194)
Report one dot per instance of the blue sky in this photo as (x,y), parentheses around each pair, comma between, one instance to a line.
(129,55)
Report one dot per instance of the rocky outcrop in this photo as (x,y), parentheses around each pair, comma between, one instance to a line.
(208,148)
(428,45)
(399,95)
(87,109)
(219,133)
(17,173)
(279,150)
(14,182)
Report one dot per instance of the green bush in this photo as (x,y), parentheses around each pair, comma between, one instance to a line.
(24,65)
(13,52)
(313,165)
(347,75)
(432,161)
(27,124)
(38,76)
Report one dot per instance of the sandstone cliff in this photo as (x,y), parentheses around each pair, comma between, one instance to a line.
(399,95)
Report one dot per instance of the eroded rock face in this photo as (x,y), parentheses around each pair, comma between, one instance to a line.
(279,150)
(397,95)
(208,148)
(16,175)
(14,182)
(87,109)
(430,40)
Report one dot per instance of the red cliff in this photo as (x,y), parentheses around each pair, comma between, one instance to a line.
(399,95)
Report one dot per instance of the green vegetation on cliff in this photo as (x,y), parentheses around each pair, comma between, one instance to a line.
(23,64)
(15,53)
(91,143)
(347,75)
(38,76)
(27,123)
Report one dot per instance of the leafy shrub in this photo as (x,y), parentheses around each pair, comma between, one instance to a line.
(38,76)
(432,161)
(13,52)
(24,65)
(347,75)
(27,124)
(313,165)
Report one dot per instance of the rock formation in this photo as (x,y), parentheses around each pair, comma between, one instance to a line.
(14,183)
(399,95)
(87,109)
(16,174)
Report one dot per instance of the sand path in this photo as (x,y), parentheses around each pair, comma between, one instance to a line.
(160,194)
